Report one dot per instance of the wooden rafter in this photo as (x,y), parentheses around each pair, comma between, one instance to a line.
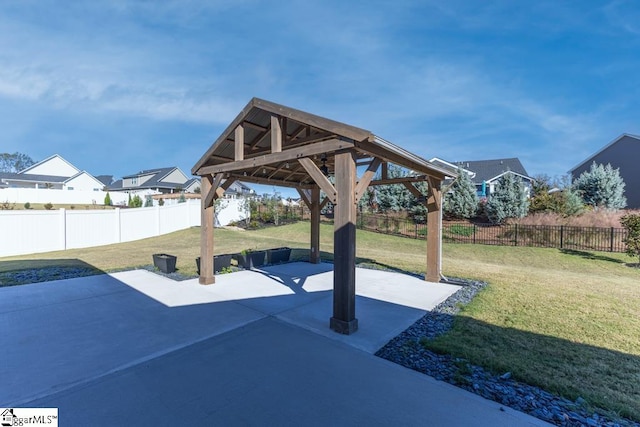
(255,126)
(295,171)
(258,138)
(297,143)
(239,143)
(276,134)
(297,131)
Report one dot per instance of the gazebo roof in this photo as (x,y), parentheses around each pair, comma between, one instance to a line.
(263,125)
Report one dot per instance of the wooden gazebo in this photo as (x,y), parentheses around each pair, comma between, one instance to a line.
(276,145)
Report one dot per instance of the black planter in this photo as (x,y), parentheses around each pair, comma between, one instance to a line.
(219,262)
(165,263)
(278,255)
(251,259)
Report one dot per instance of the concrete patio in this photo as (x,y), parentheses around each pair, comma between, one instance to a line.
(253,349)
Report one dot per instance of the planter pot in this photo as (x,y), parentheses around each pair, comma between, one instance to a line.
(251,259)
(278,255)
(219,262)
(165,263)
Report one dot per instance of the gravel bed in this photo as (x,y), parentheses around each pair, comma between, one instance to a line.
(45,274)
(406,350)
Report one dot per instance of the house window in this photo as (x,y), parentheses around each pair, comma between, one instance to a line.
(134,181)
(69,188)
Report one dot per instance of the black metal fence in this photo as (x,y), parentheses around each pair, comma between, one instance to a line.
(606,239)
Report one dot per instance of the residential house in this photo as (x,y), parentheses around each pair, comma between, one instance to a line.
(485,174)
(162,180)
(622,153)
(238,190)
(52,173)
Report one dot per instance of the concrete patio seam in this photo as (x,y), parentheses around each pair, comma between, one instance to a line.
(126,366)
(53,304)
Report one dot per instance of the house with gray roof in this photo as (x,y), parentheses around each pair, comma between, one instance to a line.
(51,173)
(622,153)
(485,174)
(162,180)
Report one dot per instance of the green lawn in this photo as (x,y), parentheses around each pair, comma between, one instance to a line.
(566,321)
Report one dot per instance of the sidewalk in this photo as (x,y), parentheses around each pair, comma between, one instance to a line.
(253,349)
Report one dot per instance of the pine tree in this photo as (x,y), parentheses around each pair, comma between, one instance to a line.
(130,202)
(394,197)
(107,200)
(508,201)
(601,187)
(564,200)
(136,202)
(462,199)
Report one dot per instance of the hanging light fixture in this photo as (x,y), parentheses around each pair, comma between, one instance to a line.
(324,169)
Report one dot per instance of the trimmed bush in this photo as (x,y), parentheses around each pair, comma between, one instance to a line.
(631,223)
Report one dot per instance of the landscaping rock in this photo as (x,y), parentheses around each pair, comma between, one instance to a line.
(406,350)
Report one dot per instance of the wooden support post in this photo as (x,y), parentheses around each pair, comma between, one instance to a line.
(434,230)
(276,135)
(206,235)
(384,171)
(314,254)
(344,242)
(239,148)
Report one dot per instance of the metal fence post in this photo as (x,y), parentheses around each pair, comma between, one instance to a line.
(561,236)
(516,239)
(611,248)
(474,234)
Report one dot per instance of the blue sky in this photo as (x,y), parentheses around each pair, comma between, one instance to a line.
(119,86)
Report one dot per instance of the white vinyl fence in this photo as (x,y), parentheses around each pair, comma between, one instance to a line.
(27,231)
(21,196)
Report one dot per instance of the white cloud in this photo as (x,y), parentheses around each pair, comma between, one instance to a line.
(80,93)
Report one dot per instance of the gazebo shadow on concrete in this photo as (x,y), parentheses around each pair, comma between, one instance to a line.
(277,145)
